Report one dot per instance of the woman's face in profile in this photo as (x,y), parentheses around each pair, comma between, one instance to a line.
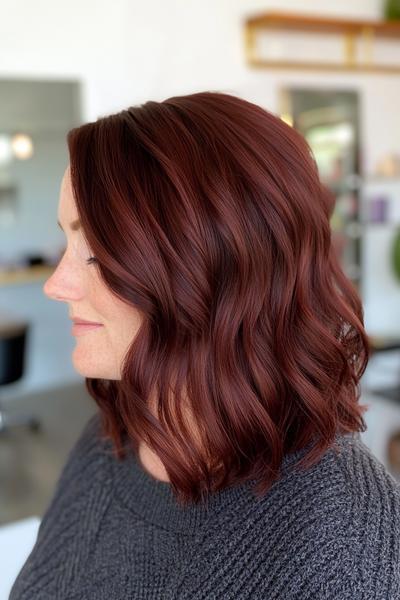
(99,351)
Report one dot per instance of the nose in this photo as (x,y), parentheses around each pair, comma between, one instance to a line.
(63,285)
(50,288)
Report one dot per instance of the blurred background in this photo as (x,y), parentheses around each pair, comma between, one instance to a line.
(331,70)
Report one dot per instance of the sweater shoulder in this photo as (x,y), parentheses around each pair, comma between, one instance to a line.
(87,460)
(364,474)
(360,530)
(85,469)
(69,525)
(329,531)
(351,476)
(345,515)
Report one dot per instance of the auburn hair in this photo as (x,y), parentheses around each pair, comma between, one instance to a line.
(207,215)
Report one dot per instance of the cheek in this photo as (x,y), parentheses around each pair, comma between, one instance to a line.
(105,306)
(101,352)
(93,356)
(124,332)
(128,325)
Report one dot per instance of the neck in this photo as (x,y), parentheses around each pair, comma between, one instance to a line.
(152,463)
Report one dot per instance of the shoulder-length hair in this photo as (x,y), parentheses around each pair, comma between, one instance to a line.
(207,215)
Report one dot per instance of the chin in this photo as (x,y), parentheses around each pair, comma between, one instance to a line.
(90,370)
(89,364)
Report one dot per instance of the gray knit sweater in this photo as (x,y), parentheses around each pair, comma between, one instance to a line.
(112,531)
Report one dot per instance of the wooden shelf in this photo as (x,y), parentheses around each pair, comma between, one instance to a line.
(302,22)
(350,30)
(322,66)
(27,275)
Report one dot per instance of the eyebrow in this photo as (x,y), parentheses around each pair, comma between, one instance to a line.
(75,225)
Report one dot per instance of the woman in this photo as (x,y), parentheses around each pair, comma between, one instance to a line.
(225,459)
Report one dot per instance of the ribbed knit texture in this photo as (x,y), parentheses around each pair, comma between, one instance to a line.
(112,531)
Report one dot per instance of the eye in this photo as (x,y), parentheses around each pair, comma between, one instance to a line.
(91,259)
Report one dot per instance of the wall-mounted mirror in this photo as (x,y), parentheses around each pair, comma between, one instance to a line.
(35,116)
(329,120)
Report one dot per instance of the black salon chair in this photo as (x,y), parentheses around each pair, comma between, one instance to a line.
(13,336)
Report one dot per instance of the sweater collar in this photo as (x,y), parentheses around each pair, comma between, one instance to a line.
(154,501)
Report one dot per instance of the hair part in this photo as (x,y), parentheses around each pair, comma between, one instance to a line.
(207,215)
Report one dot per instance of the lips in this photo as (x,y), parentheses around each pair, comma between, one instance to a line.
(81,328)
(79,321)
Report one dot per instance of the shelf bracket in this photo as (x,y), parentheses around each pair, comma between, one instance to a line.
(349,49)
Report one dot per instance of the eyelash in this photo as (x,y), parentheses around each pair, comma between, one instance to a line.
(91,259)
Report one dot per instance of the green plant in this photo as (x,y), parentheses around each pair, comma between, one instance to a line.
(392,10)
(396,254)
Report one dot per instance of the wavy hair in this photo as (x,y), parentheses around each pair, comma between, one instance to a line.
(207,215)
